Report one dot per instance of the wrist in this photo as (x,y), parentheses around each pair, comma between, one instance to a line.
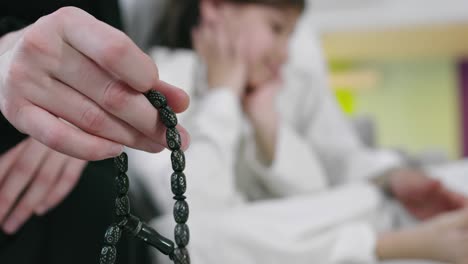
(266,134)
(263,120)
(403,244)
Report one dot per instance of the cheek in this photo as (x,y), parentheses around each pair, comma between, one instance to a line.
(259,46)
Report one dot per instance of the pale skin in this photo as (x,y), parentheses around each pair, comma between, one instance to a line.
(75,85)
(252,73)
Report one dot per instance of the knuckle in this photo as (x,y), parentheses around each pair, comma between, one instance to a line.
(66,12)
(22,168)
(44,179)
(93,119)
(17,75)
(118,45)
(115,96)
(33,42)
(35,45)
(53,137)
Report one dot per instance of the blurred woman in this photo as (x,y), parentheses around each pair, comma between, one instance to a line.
(253,142)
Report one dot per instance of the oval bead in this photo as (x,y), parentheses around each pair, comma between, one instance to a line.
(157,99)
(181,212)
(122,184)
(182,235)
(178,160)
(168,117)
(122,206)
(173,138)
(112,235)
(178,183)
(121,162)
(181,256)
(108,255)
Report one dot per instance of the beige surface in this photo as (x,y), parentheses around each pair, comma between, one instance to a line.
(441,40)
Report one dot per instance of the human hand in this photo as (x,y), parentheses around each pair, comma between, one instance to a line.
(223,54)
(423,196)
(443,238)
(259,107)
(259,103)
(68,66)
(33,179)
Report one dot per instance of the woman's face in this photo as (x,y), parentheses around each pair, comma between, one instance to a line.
(266,31)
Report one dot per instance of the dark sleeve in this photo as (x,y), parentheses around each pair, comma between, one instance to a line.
(9,24)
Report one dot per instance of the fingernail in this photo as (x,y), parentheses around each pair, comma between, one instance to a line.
(11,226)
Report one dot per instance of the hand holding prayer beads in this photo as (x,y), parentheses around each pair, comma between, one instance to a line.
(135,226)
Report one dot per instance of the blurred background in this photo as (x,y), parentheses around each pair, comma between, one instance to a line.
(399,70)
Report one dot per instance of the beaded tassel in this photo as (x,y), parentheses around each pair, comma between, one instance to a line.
(133,225)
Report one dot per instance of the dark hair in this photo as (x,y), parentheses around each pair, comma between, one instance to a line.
(181,16)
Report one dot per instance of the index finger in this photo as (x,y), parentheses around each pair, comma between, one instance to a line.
(115,52)
(110,48)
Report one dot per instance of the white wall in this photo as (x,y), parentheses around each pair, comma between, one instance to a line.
(342,15)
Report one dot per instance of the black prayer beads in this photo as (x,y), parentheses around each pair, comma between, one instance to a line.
(134,226)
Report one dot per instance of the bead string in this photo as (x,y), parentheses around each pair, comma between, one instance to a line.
(134,226)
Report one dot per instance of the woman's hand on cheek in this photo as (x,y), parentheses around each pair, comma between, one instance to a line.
(224,56)
(259,106)
(259,103)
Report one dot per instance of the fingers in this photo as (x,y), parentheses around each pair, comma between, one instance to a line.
(120,113)
(51,179)
(110,48)
(67,180)
(20,175)
(85,114)
(61,137)
(177,98)
(7,159)
(197,41)
(420,192)
(185,137)
(41,184)
(454,200)
(100,68)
